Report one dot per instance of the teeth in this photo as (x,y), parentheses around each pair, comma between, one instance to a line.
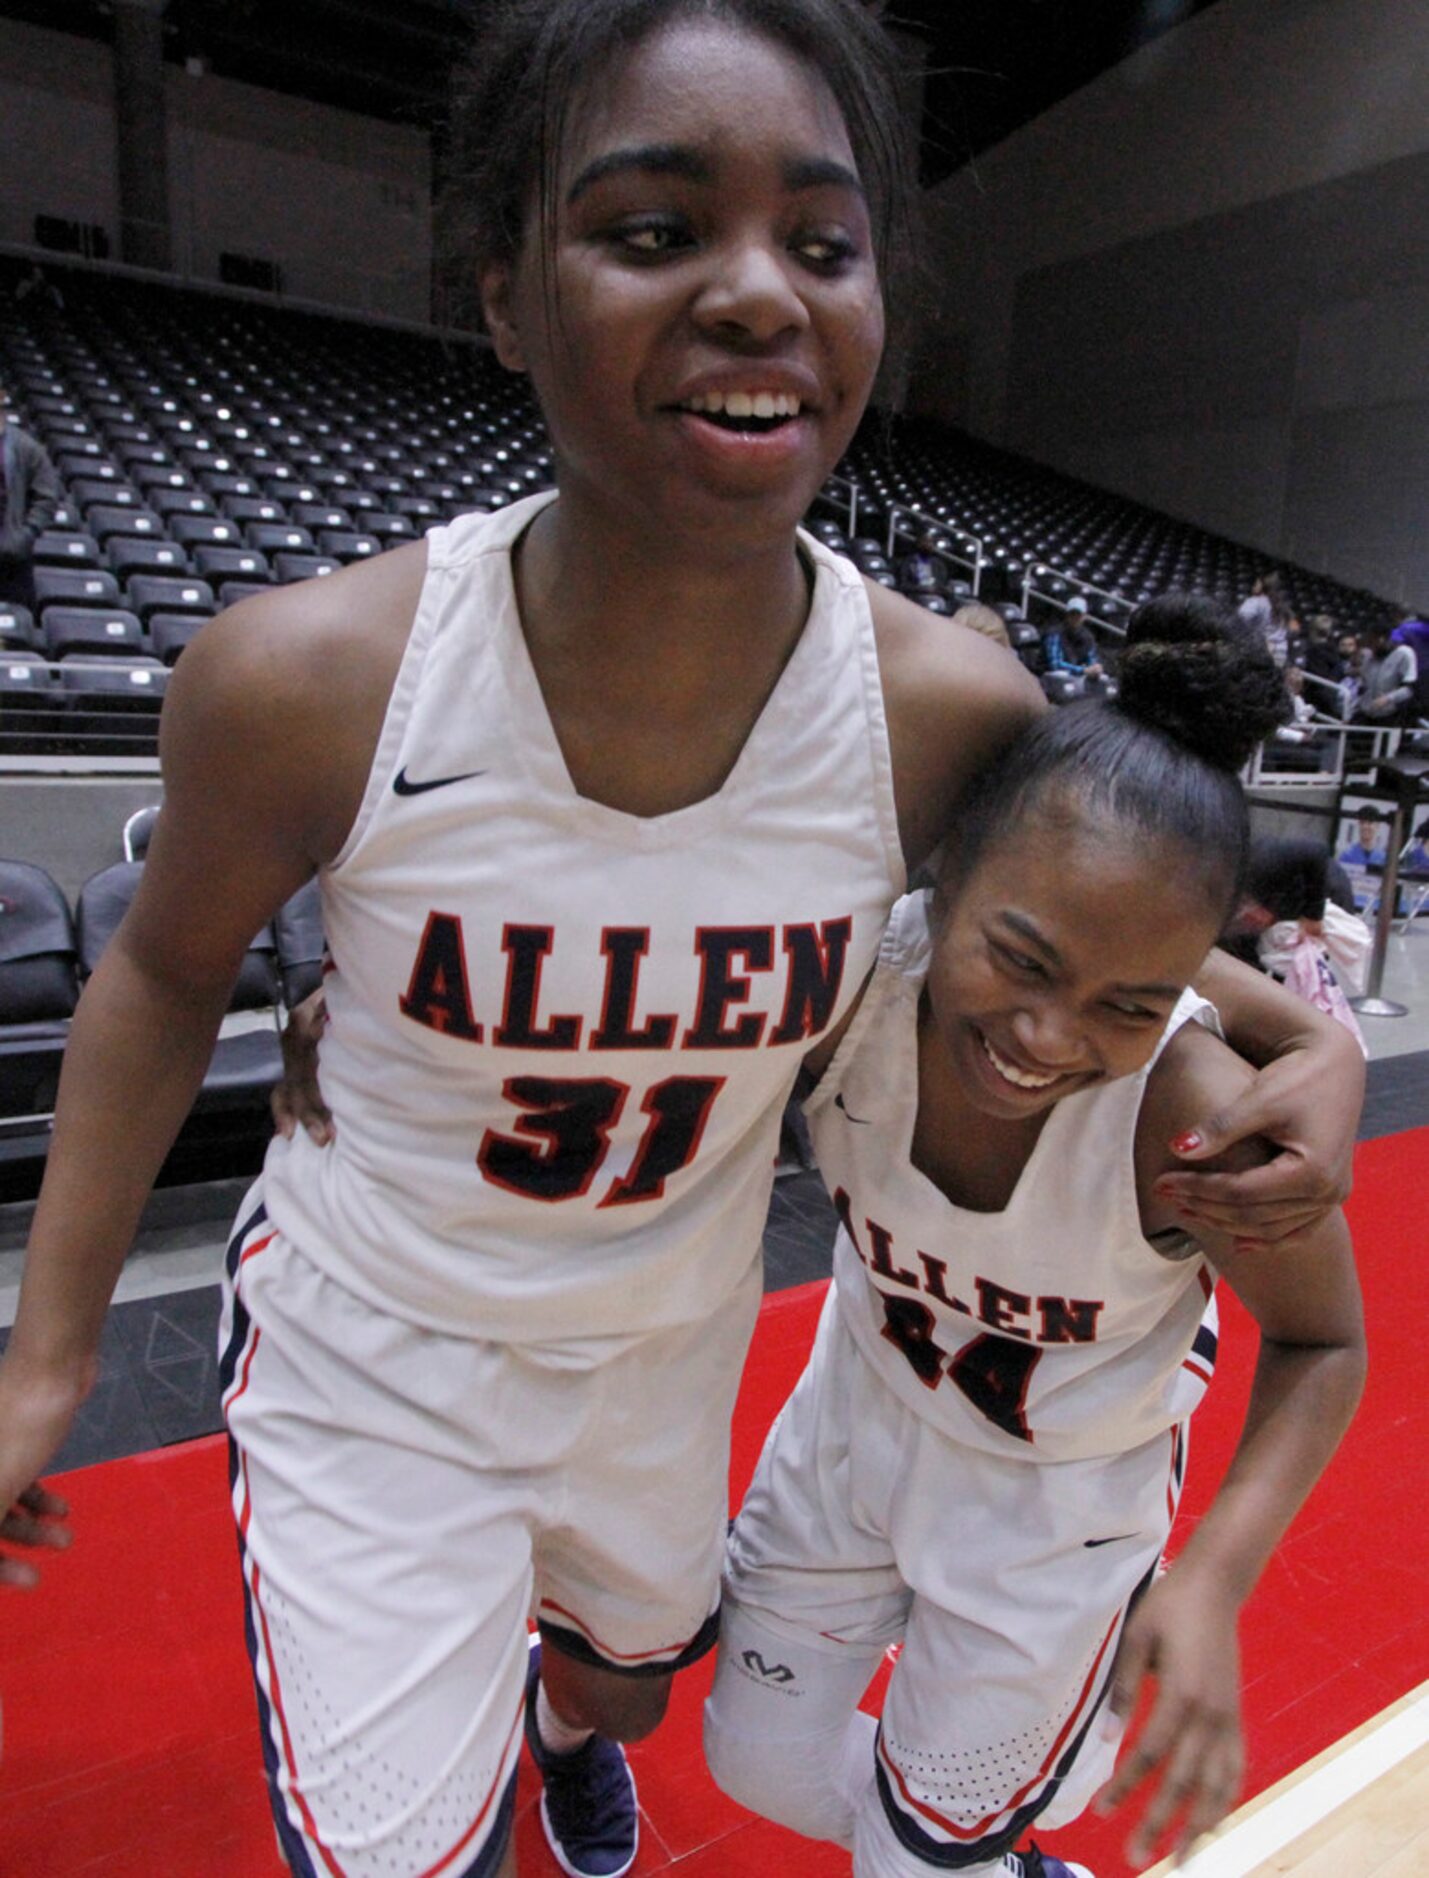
(764,404)
(1022,1078)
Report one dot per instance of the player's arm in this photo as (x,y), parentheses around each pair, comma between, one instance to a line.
(1308,1379)
(1305,1101)
(262,754)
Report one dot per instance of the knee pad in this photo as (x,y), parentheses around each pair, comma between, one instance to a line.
(783,1734)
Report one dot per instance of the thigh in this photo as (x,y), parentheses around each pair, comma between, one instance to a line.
(1020,1596)
(628,1573)
(811,1551)
(387,1577)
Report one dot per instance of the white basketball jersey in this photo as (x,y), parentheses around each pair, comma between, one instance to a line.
(562,1036)
(1053,1329)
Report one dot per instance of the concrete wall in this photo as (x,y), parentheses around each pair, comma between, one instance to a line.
(1203,281)
(342,203)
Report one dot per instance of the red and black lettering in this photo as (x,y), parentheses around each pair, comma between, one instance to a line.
(816,970)
(721,986)
(437,994)
(994,1373)
(678,1109)
(881,1259)
(562,1134)
(1001,1308)
(624,947)
(526,948)
(909,1326)
(1070,1320)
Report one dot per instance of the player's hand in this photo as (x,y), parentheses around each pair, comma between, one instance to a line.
(1190,1749)
(36,1410)
(1307,1103)
(297,1101)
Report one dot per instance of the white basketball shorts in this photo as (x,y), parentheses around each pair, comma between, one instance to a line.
(1007,1583)
(406,1501)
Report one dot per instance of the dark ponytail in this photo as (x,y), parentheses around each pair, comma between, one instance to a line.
(1199,693)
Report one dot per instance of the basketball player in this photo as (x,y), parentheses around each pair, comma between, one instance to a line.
(983,1458)
(609,797)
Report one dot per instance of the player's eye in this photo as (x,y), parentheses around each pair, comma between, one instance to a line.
(651,238)
(827,252)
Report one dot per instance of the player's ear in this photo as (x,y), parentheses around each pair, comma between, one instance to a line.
(497,303)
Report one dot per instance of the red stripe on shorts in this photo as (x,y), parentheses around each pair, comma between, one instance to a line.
(984,1826)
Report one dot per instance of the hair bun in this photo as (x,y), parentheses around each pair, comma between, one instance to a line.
(1194,672)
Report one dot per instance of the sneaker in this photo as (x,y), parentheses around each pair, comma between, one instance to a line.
(588,1808)
(1035,1863)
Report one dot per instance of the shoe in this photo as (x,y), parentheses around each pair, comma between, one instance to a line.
(588,1809)
(1035,1863)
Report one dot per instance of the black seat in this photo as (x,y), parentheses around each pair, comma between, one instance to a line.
(246,1062)
(66,547)
(66,586)
(170,633)
(219,564)
(143,554)
(91,631)
(17,628)
(38,988)
(99,691)
(304,566)
(165,593)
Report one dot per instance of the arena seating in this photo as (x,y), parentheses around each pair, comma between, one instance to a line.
(46,953)
(211,446)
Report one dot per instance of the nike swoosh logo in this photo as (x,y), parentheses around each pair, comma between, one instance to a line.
(1115,1538)
(839,1103)
(403,786)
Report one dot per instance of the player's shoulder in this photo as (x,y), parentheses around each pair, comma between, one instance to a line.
(291,686)
(945,681)
(313,646)
(954,700)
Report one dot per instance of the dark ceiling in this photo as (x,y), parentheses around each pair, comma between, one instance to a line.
(994,64)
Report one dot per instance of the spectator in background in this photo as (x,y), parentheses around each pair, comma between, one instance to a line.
(1267,611)
(1413,631)
(1367,849)
(983,619)
(924,570)
(1068,644)
(1293,923)
(1388,677)
(29,496)
(1322,655)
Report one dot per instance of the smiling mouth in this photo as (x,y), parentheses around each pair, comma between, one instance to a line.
(1009,1072)
(745,413)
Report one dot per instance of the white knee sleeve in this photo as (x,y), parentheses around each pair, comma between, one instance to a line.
(783,1732)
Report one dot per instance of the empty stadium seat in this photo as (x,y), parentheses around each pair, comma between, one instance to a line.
(169,593)
(17,627)
(143,554)
(91,631)
(39,987)
(170,633)
(58,547)
(71,587)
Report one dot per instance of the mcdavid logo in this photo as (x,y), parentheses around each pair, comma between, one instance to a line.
(767,1672)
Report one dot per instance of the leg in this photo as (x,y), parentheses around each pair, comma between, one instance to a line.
(585,1696)
(385,1583)
(813,1598)
(629,1576)
(991,1718)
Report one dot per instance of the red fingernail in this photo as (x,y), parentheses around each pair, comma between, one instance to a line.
(1187,1143)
